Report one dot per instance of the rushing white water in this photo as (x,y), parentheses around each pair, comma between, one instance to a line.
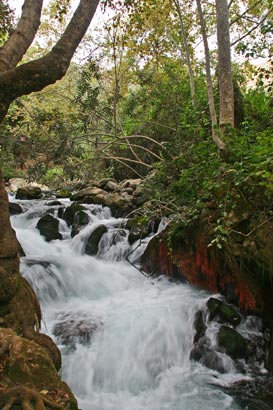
(125,339)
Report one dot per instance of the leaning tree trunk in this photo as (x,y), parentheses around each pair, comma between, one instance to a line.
(16,81)
(224,67)
(19,306)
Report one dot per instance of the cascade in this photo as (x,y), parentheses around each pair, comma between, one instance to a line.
(126,339)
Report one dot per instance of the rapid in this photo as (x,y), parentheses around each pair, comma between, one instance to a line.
(125,338)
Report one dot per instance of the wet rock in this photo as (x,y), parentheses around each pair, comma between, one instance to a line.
(29,192)
(118,236)
(222,312)
(92,244)
(15,209)
(81,219)
(208,356)
(53,203)
(71,211)
(269,353)
(199,326)
(49,227)
(138,229)
(72,329)
(253,394)
(232,342)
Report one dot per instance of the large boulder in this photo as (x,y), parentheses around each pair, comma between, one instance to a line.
(29,192)
(234,344)
(15,209)
(90,192)
(222,312)
(49,227)
(70,213)
(92,244)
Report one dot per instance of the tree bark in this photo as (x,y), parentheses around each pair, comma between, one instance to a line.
(21,306)
(9,249)
(214,123)
(21,38)
(226,92)
(37,74)
(186,48)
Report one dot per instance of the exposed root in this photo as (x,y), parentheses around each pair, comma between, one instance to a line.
(29,399)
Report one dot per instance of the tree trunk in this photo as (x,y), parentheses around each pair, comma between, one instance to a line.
(9,248)
(214,123)
(21,38)
(186,48)
(224,67)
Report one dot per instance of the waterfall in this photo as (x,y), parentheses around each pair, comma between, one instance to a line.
(125,338)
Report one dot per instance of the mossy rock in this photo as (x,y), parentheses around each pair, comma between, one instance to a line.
(222,312)
(234,344)
(49,228)
(71,211)
(138,229)
(92,244)
(63,193)
(29,193)
(28,364)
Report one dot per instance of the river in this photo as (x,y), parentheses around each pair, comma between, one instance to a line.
(125,338)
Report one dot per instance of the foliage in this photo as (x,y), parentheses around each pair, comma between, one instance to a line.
(6,20)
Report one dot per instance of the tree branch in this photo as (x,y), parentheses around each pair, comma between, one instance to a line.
(21,38)
(127,166)
(251,30)
(245,12)
(129,160)
(37,74)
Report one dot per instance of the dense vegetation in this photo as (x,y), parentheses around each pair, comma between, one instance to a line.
(128,108)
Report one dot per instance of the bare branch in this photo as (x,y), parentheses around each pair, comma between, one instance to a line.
(127,166)
(134,146)
(245,12)
(251,30)
(129,160)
